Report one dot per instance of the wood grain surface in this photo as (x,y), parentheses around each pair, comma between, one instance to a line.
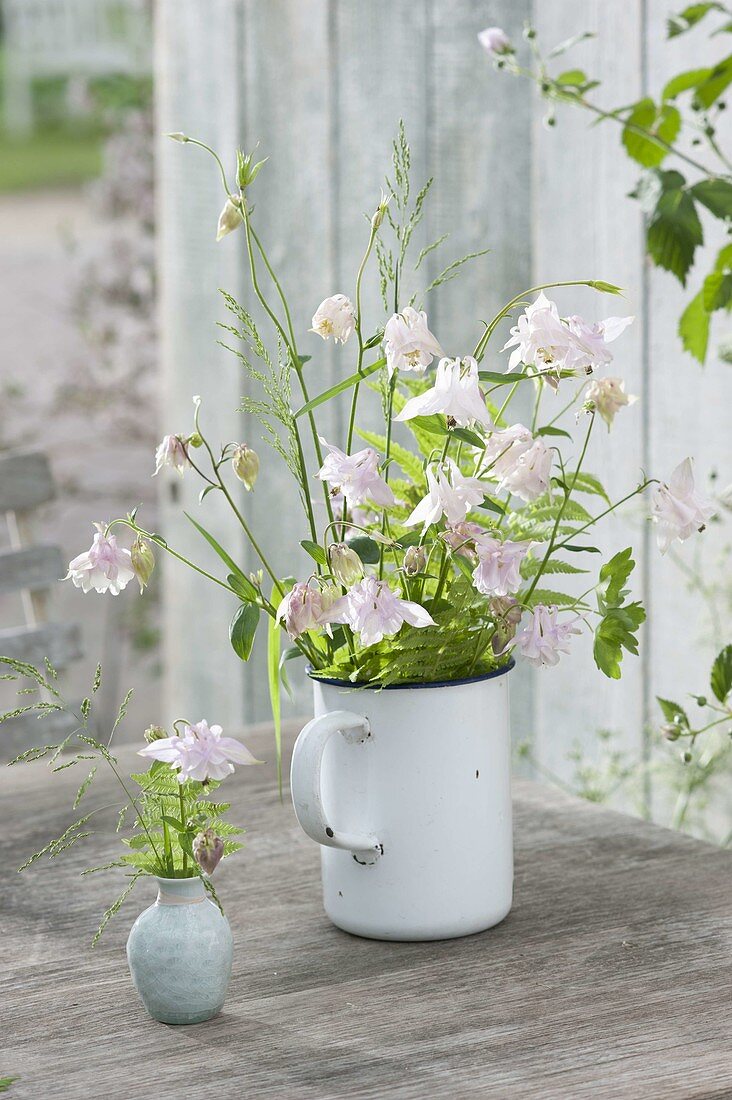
(610,978)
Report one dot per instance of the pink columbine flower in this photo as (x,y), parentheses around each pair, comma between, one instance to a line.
(104,567)
(201,753)
(171,452)
(356,476)
(304,608)
(408,342)
(507,613)
(450,494)
(498,570)
(520,463)
(608,397)
(678,509)
(208,850)
(462,538)
(495,41)
(456,393)
(373,611)
(334,317)
(543,638)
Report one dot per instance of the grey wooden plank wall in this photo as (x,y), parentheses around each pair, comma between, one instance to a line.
(321,84)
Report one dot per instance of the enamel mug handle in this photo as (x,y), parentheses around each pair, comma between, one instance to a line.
(305,776)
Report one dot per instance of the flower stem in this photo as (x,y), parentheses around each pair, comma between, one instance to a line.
(183,823)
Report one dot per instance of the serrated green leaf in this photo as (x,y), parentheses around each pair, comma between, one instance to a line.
(694,328)
(716,195)
(683,82)
(716,291)
(672,712)
(719,79)
(674,232)
(721,677)
(662,121)
(689,17)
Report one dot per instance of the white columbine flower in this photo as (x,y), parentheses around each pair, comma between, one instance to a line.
(521,464)
(201,753)
(588,351)
(408,342)
(450,494)
(497,572)
(105,566)
(456,393)
(356,476)
(171,452)
(539,338)
(230,218)
(609,397)
(373,611)
(495,41)
(334,317)
(542,639)
(678,509)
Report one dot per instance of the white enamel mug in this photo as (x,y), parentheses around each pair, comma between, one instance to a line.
(408,792)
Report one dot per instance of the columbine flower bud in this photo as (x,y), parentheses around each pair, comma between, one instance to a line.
(194,440)
(671,732)
(378,217)
(230,217)
(495,41)
(178,136)
(208,850)
(155,733)
(143,561)
(345,564)
(246,172)
(507,614)
(245,463)
(415,560)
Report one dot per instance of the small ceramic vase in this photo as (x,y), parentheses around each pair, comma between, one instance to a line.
(179,951)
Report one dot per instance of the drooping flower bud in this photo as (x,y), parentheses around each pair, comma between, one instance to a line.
(143,561)
(495,40)
(230,217)
(155,733)
(415,560)
(378,216)
(507,613)
(245,463)
(345,564)
(208,850)
(671,732)
(178,136)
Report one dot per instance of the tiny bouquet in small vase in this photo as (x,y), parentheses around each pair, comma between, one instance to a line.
(174,830)
(433,554)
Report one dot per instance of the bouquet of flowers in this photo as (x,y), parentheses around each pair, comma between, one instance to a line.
(171,826)
(438,545)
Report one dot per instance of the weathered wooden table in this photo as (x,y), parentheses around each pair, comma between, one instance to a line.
(610,978)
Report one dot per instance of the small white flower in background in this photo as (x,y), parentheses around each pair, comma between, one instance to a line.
(171,452)
(456,393)
(345,564)
(495,41)
(230,218)
(498,570)
(408,342)
(374,612)
(542,640)
(521,463)
(245,464)
(304,608)
(104,567)
(608,396)
(678,509)
(450,494)
(143,561)
(201,753)
(588,351)
(356,476)
(334,317)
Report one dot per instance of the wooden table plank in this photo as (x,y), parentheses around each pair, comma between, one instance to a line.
(610,978)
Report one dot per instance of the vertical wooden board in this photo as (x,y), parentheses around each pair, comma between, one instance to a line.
(196,64)
(585,228)
(286,95)
(689,411)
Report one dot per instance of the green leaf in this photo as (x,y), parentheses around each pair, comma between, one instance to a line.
(662,121)
(499,379)
(672,712)
(242,629)
(366,548)
(273,680)
(315,551)
(549,429)
(604,288)
(694,328)
(437,425)
(719,79)
(574,78)
(613,576)
(341,386)
(587,483)
(548,597)
(716,291)
(721,678)
(716,195)
(684,81)
(229,561)
(689,17)
(243,587)
(574,548)
(675,231)
(493,504)
(615,632)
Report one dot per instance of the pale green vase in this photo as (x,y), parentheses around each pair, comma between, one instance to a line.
(180,951)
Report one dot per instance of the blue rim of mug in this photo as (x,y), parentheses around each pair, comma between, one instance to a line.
(411,686)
